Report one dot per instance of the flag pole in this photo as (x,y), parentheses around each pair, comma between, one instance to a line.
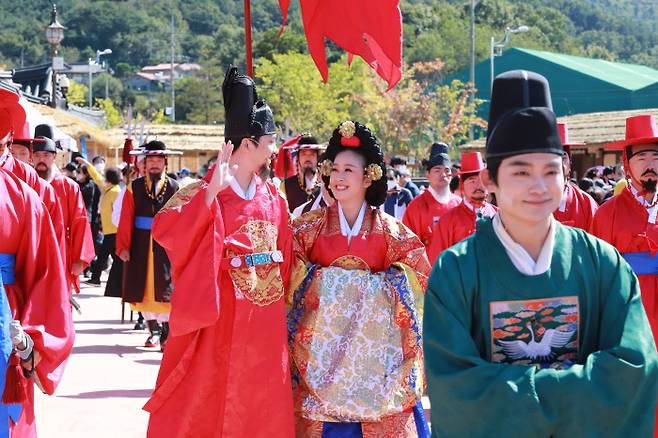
(247,36)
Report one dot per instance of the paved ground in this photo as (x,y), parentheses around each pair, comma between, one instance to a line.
(109,376)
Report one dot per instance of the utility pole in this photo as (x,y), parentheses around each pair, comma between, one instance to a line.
(471,97)
(173,91)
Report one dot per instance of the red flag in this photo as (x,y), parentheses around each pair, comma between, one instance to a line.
(371,29)
(127,147)
(284,166)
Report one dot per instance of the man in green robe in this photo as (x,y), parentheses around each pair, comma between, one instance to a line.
(532,328)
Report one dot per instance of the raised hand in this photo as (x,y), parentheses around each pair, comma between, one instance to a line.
(223,173)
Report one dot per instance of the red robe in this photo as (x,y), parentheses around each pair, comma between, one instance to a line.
(79,242)
(225,371)
(38,298)
(454,226)
(624,223)
(45,191)
(578,210)
(424,212)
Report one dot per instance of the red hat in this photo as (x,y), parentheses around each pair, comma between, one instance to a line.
(639,130)
(12,114)
(472,163)
(563,129)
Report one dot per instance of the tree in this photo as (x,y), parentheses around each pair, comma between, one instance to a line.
(405,120)
(294,89)
(105,81)
(112,117)
(199,98)
(77,94)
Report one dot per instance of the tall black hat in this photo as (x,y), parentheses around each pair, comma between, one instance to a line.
(245,115)
(517,89)
(43,144)
(44,139)
(44,130)
(438,156)
(521,118)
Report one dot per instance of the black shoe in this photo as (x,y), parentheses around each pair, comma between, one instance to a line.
(94,281)
(164,335)
(153,340)
(139,325)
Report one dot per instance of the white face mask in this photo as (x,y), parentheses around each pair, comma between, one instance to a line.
(100,167)
(391,184)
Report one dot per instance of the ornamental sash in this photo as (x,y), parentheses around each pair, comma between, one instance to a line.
(642,263)
(7,268)
(7,277)
(143,222)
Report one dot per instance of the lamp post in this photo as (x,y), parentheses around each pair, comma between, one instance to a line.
(99,53)
(498,46)
(54,36)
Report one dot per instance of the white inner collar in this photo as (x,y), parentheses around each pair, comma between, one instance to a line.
(4,156)
(653,211)
(519,256)
(441,198)
(345,229)
(310,182)
(251,190)
(563,199)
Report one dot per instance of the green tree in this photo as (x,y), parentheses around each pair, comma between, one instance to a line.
(199,98)
(112,117)
(77,94)
(105,81)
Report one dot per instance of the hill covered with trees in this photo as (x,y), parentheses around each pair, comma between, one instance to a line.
(210,32)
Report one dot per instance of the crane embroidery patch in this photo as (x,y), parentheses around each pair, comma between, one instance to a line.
(541,332)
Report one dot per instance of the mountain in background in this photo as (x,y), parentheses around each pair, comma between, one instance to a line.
(212,31)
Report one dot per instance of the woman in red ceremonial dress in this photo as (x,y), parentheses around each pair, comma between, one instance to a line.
(354,321)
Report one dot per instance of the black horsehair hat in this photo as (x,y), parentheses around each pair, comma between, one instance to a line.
(438,156)
(521,117)
(246,116)
(154,148)
(43,144)
(44,139)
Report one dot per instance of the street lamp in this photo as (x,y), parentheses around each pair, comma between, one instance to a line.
(54,36)
(99,53)
(497,46)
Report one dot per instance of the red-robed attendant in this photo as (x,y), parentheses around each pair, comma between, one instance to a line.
(424,211)
(79,241)
(34,280)
(577,208)
(354,323)
(459,223)
(14,125)
(629,221)
(225,371)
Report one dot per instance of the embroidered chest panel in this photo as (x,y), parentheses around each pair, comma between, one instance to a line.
(542,332)
(262,284)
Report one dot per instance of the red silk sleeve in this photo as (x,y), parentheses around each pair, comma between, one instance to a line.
(82,243)
(49,199)
(285,243)
(46,313)
(193,236)
(125,229)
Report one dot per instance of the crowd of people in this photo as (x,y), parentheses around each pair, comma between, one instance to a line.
(325,293)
